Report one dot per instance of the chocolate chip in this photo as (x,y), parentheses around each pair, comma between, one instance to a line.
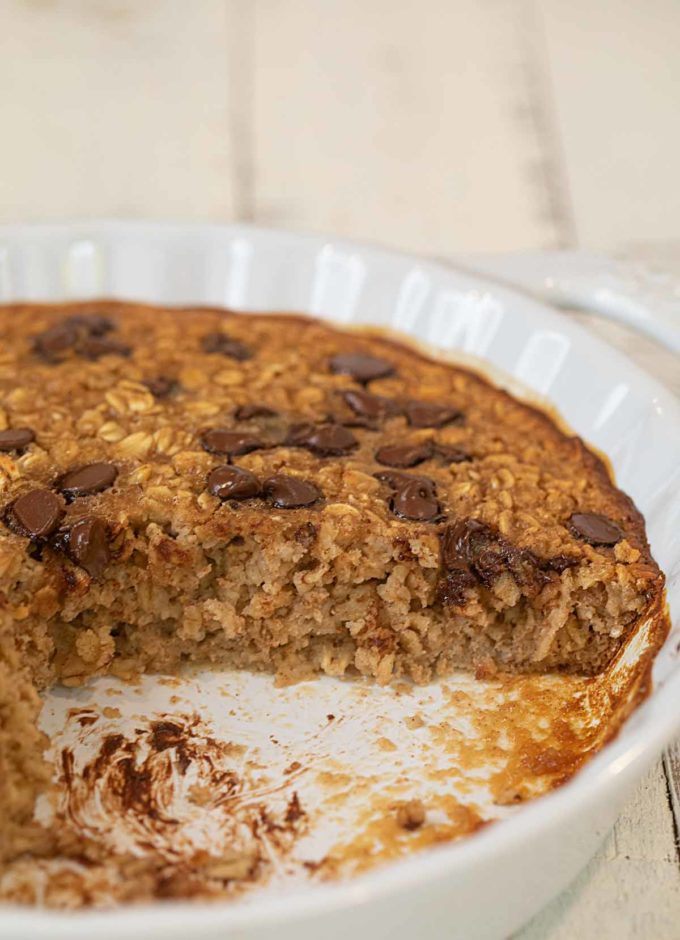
(232,443)
(54,342)
(594,528)
(94,347)
(225,346)
(369,406)
(93,323)
(462,542)
(450,454)
(416,500)
(288,492)
(425,414)
(247,412)
(404,455)
(329,440)
(15,439)
(92,478)
(81,333)
(233,483)
(415,496)
(162,386)
(474,552)
(35,514)
(86,543)
(360,366)
(481,547)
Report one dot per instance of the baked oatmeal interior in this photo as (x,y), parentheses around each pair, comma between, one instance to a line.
(271,493)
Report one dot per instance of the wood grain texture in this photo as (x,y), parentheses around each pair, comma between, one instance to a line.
(671,766)
(365,123)
(631,889)
(111,107)
(616,73)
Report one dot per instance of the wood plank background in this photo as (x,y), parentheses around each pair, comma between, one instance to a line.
(439,126)
(433,125)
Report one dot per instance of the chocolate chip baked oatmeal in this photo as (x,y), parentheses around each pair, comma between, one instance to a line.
(268,492)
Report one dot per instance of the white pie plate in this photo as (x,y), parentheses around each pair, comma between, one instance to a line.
(486,886)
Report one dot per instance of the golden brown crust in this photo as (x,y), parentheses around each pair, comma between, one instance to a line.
(83,411)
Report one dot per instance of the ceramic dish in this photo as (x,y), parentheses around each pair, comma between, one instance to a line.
(488,885)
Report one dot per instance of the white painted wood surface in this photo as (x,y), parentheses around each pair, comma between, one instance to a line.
(440,126)
(115,108)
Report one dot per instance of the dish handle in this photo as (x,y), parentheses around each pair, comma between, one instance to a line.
(633,293)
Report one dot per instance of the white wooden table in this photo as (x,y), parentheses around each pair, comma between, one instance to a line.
(439,126)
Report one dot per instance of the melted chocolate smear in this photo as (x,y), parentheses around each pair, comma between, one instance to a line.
(233,483)
(165,734)
(362,367)
(224,345)
(132,783)
(288,492)
(294,810)
(594,528)
(111,744)
(331,440)
(92,478)
(35,515)
(135,787)
(404,455)
(424,414)
(232,443)
(67,766)
(16,439)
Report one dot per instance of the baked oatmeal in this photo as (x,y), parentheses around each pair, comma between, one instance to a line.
(271,493)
